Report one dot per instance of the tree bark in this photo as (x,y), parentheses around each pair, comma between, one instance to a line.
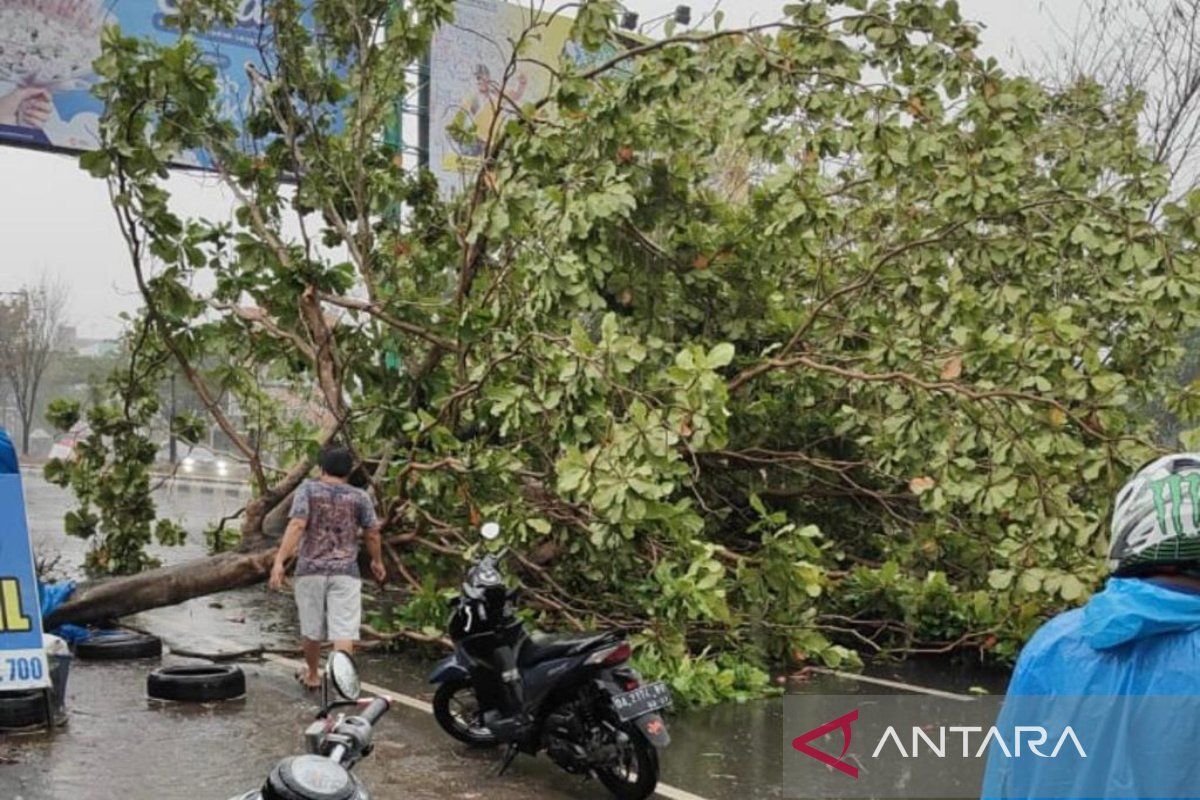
(165,586)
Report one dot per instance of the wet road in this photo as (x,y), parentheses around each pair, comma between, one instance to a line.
(120,745)
(192,505)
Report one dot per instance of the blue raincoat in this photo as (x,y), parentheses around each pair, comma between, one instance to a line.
(8,455)
(1136,644)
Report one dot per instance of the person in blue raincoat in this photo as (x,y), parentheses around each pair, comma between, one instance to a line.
(8,455)
(1123,670)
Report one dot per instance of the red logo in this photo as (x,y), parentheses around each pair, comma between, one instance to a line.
(842,723)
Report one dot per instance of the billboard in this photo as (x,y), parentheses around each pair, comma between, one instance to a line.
(46,52)
(22,659)
(468,88)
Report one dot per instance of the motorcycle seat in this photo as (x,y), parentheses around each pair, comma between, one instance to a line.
(541,647)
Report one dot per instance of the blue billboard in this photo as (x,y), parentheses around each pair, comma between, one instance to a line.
(22,657)
(46,53)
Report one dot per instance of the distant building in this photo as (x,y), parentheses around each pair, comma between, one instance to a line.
(97,348)
(67,336)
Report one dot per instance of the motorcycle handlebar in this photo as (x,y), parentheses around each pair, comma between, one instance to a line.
(495,558)
(376,709)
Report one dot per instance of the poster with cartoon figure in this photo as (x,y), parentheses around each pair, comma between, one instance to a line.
(47,48)
(46,52)
(470,92)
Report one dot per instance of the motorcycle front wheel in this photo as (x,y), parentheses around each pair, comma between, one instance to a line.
(634,776)
(457,711)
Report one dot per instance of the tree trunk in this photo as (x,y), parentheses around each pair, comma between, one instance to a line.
(165,586)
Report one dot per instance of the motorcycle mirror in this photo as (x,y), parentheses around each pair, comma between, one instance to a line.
(343,675)
(489,531)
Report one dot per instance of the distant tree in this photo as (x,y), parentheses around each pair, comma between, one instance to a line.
(1148,51)
(1150,48)
(31,324)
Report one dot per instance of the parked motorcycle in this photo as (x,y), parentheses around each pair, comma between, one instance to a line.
(335,744)
(574,696)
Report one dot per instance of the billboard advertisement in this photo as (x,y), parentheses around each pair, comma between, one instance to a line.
(46,52)
(22,659)
(468,89)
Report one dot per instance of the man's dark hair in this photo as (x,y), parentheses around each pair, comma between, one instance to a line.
(336,460)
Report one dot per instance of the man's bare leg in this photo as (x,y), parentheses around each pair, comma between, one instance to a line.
(312,659)
(345,645)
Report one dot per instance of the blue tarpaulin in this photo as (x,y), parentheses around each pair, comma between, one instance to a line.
(53,595)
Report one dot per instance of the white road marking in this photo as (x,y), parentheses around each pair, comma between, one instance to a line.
(397,697)
(906,687)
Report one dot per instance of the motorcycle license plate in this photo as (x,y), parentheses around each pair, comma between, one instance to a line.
(641,700)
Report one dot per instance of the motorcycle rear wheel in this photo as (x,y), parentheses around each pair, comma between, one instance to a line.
(456,710)
(636,777)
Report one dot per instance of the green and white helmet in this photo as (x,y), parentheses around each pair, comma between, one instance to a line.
(1156,521)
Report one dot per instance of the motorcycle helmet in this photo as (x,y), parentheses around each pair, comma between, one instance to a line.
(1156,520)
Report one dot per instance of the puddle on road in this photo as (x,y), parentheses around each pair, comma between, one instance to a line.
(119,744)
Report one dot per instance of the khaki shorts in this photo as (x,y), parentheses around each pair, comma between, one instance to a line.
(330,607)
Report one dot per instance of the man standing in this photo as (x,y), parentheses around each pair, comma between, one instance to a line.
(327,518)
(1134,649)
(8,455)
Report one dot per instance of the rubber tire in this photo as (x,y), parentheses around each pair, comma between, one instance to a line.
(196,684)
(22,709)
(118,647)
(647,762)
(441,712)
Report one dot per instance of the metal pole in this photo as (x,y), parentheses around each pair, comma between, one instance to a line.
(423,102)
(48,706)
(171,424)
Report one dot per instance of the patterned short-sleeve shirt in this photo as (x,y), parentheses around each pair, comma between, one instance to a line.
(337,514)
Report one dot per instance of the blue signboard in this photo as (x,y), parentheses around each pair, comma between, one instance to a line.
(22,656)
(46,55)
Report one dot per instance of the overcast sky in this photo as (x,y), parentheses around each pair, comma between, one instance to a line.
(55,219)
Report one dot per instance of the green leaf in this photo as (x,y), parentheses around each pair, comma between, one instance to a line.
(1000,579)
(720,356)
(1071,588)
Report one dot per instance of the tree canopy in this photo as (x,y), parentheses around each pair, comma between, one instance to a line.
(791,343)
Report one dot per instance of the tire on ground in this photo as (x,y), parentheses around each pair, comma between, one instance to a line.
(196,684)
(22,709)
(118,646)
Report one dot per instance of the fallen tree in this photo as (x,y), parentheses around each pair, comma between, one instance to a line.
(821,337)
(164,586)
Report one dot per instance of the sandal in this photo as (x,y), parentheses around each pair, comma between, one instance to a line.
(312,687)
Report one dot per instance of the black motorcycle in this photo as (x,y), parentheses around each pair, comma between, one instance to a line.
(335,744)
(573,696)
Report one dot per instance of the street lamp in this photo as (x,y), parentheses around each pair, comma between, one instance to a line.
(682,15)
